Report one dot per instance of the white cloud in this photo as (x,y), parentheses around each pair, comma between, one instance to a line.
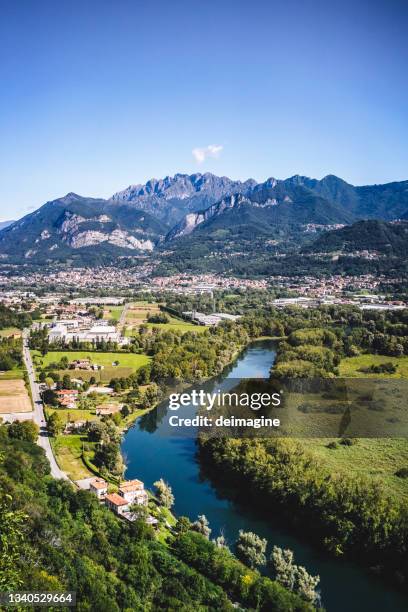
(200,154)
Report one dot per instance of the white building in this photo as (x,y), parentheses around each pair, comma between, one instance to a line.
(99,487)
(60,331)
(133,492)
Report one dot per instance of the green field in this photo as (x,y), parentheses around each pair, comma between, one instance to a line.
(173,324)
(375,458)
(10,331)
(351,366)
(14,374)
(113,312)
(128,363)
(73,414)
(127,360)
(68,452)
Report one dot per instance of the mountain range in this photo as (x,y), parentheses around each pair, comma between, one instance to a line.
(188,209)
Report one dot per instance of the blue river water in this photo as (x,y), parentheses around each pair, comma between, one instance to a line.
(150,453)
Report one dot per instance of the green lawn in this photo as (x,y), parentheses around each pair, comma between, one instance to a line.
(351,366)
(74,414)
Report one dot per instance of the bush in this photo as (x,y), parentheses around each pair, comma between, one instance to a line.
(332,445)
(348,441)
(402,473)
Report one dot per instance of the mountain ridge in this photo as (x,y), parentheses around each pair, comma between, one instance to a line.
(141,218)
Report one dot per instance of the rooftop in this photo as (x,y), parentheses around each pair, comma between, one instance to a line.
(98,483)
(116,499)
(131,485)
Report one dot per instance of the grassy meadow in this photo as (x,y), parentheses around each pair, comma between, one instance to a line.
(128,363)
(351,366)
(376,458)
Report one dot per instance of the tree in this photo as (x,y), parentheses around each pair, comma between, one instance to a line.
(164,493)
(6,362)
(24,430)
(221,542)
(250,549)
(50,397)
(96,431)
(202,526)
(183,525)
(140,512)
(66,381)
(108,456)
(11,544)
(49,381)
(125,411)
(55,424)
(64,362)
(293,577)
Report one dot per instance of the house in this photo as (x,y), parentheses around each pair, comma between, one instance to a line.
(80,364)
(99,487)
(103,409)
(117,503)
(133,492)
(67,398)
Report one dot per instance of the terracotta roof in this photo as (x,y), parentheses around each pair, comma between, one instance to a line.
(98,483)
(116,499)
(131,485)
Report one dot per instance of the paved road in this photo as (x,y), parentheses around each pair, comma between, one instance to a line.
(39,418)
(122,318)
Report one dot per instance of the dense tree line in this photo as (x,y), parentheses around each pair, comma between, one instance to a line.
(12,318)
(346,515)
(10,353)
(189,356)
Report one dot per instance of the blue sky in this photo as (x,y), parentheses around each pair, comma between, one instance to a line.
(99,94)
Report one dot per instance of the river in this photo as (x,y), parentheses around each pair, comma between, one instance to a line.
(151,454)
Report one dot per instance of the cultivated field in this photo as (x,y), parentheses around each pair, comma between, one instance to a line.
(138,313)
(14,397)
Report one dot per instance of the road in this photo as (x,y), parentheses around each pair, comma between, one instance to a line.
(122,319)
(38,414)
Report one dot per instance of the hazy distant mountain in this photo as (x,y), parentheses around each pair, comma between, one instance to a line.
(74,227)
(169,199)
(385,238)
